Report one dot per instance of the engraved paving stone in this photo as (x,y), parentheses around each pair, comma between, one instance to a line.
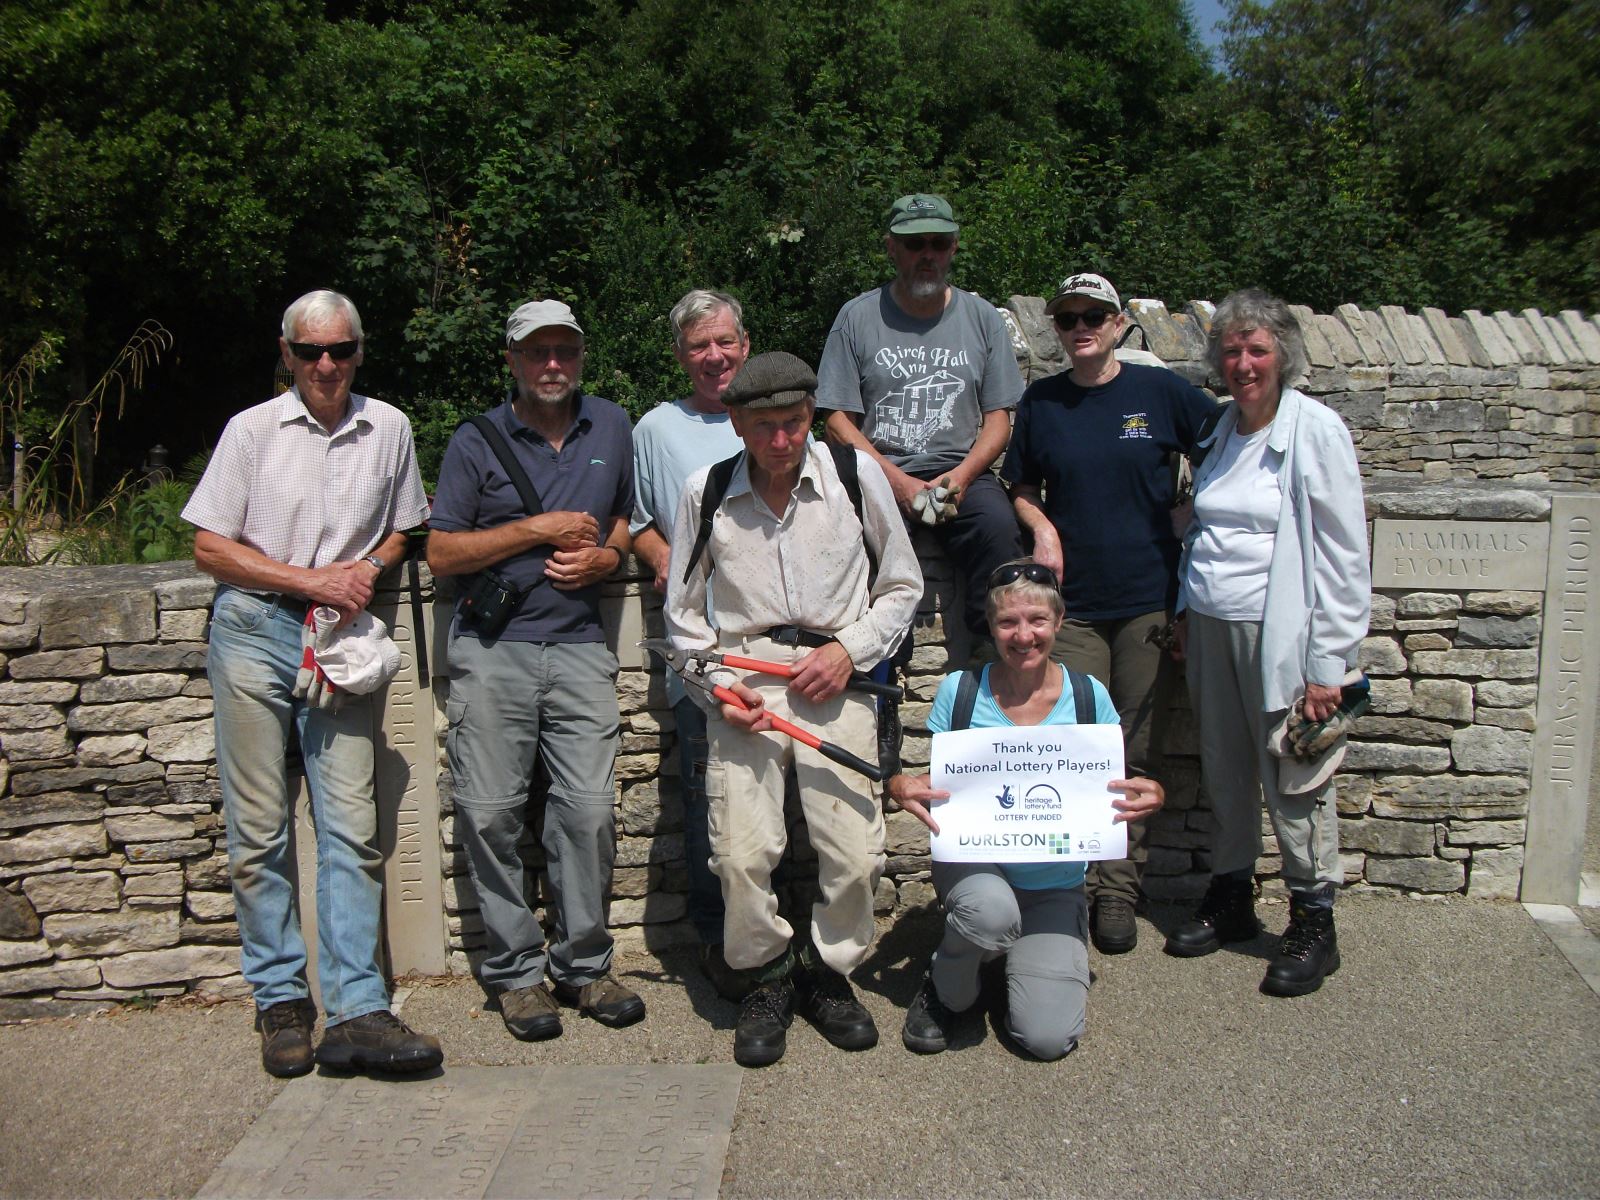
(492,1132)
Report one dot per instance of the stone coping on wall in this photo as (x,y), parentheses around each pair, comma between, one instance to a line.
(1509,395)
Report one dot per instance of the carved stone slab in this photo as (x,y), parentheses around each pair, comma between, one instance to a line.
(405,786)
(492,1132)
(1459,555)
(1569,699)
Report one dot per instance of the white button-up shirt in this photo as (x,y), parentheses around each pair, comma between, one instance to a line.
(281,484)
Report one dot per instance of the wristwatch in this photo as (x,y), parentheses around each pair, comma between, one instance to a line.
(378,564)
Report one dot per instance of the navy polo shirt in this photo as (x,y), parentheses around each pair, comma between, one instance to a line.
(1104,459)
(592,473)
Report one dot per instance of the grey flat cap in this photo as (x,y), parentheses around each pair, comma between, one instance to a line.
(771,380)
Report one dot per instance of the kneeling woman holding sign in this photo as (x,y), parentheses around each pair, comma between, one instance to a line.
(1031,907)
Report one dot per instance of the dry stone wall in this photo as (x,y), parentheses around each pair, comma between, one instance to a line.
(113,869)
(1512,396)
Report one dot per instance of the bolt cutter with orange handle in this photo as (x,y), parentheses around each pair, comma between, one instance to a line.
(692,668)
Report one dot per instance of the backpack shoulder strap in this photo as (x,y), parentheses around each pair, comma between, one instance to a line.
(508,461)
(717,481)
(966,700)
(1082,696)
(849,470)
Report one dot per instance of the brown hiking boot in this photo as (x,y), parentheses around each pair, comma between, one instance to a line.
(606,1000)
(378,1041)
(530,1013)
(286,1037)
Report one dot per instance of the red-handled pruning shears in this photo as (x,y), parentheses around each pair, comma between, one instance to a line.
(692,667)
(856,683)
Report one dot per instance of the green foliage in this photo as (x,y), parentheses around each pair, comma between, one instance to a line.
(154,522)
(49,513)
(444,160)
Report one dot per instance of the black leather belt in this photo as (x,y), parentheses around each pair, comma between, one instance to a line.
(294,605)
(793,635)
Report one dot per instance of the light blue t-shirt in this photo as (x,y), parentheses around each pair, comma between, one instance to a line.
(987,714)
(670,443)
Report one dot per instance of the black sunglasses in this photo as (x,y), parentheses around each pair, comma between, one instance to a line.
(312,352)
(1033,572)
(915,243)
(1093,319)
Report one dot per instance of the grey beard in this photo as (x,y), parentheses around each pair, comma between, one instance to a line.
(920,288)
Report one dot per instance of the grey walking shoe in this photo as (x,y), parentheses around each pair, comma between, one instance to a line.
(606,1000)
(530,1013)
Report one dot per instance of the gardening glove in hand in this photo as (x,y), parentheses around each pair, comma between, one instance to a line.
(311,682)
(936,505)
(1308,739)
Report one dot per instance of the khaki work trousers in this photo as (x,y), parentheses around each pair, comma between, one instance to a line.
(744,788)
(1139,675)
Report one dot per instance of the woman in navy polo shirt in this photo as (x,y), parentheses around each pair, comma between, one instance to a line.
(1090,473)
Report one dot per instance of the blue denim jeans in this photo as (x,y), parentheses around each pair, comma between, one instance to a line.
(255,652)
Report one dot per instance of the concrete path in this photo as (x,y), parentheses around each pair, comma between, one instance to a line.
(1456,1054)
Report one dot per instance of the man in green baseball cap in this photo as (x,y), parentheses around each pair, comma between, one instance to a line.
(921,376)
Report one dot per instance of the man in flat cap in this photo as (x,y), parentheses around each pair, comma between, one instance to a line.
(804,576)
(531,676)
(921,376)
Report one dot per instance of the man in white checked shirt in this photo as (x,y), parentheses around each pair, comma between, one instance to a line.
(305,502)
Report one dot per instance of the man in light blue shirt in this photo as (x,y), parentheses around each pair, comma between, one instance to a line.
(671,442)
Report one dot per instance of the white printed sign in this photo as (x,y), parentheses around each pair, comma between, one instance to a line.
(1034,794)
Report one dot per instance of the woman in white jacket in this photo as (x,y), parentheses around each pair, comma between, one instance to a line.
(1276,589)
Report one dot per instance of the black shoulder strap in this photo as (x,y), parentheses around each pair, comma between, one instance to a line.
(1082,696)
(844,462)
(966,700)
(508,461)
(717,481)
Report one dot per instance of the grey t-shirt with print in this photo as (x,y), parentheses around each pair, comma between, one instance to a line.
(920,385)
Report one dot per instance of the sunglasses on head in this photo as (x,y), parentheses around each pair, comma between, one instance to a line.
(1092,319)
(1033,572)
(312,352)
(917,242)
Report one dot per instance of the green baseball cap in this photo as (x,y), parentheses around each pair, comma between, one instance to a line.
(922,213)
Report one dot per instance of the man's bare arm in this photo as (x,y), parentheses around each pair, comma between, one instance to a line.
(346,586)
(463,551)
(993,435)
(656,552)
(843,429)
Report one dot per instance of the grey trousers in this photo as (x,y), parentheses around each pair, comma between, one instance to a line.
(1043,936)
(1224,669)
(511,704)
(1139,675)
